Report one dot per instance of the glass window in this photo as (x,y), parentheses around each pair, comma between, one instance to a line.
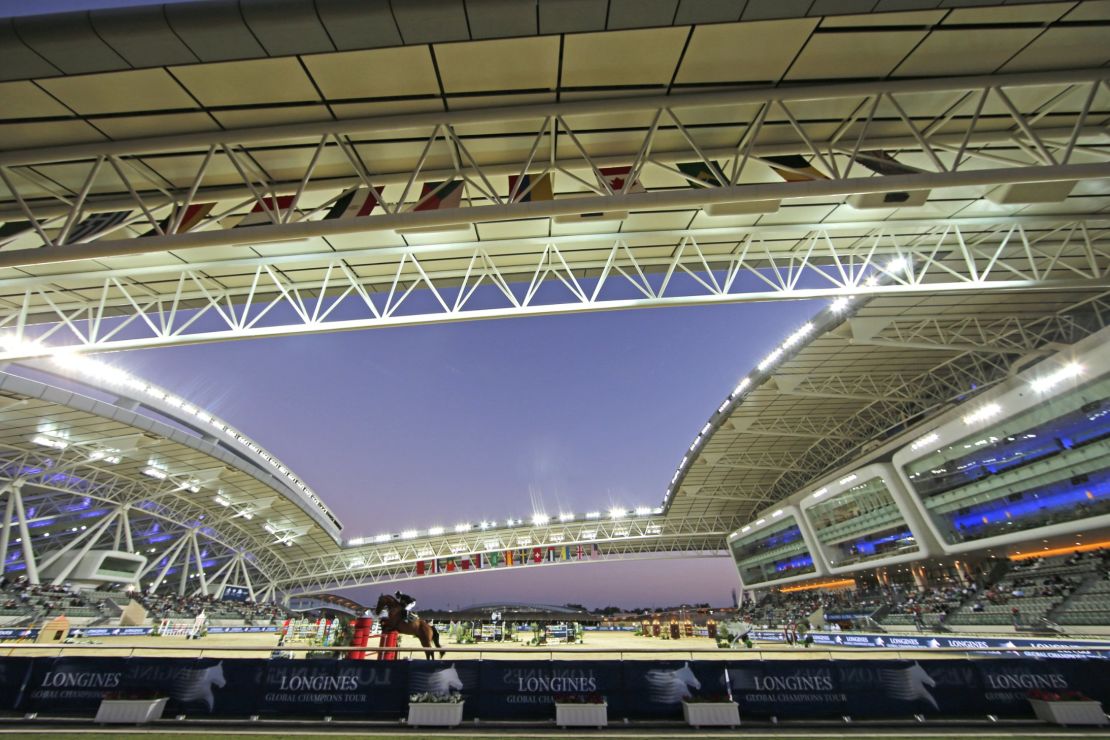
(1047,465)
(860,524)
(773,552)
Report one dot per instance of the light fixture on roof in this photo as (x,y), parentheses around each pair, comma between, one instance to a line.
(462,527)
(840,304)
(383,538)
(540,519)
(898,264)
(643,510)
(155,472)
(982,413)
(566,517)
(799,335)
(741,386)
(746,529)
(48,440)
(820,492)
(770,359)
(110,456)
(777,513)
(409,534)
(848,479)
(760,521)
(593,515)
(925,441)
(616,512)
(1067,372)
(435,531)
(221,501)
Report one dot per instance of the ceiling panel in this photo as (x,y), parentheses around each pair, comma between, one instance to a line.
(271,116)
(126,127)
(1063,48)
(641,57)
(247,82)
(217,34)
(429,21)
(640,13)
(837,55)
(366,25)
(26,100)
(965,51)
(119,92)
(743,52)
(493,19)
(505,64)
(376,73)
(572,16)
(69,42)
(708,11)
(142,36)
(286,27)
(17,60)
(16,135)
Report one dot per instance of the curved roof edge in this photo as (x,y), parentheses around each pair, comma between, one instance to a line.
(255,459)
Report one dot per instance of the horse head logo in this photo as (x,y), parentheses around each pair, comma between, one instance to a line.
(672,686)
(195,684)
(442,681)
(911,683)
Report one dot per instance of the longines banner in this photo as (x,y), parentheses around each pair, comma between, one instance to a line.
(894,641)
(526,690)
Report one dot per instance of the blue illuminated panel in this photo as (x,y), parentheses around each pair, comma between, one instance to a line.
(861,523)
(772,551)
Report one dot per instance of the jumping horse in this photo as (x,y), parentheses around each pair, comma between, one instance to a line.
(392,614)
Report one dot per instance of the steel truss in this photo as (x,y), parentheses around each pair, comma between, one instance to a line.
(49,483)
(989,352)
(180,304)
(641,536)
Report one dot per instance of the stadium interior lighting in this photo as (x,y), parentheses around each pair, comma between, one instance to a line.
(46,440)
(798,335)
(566,517)
(435,531)
(484,525)
(593,515)
(409,534)
(820,492)
(760,521)
(616,513)
(383,538)
(643,510)
(770,359)
(112,457)
(462,527)
(746,529)
(925,441)
(1067,372)
(154,472)
(777,513)
(741,386)
(841,304)
(981,413)
(898,264)
(540,519)
(848,479)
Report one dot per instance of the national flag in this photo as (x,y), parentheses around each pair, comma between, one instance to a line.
(529,188)
(800,170)
(12,230)
(580,552)
(194,214)
(450,565)
(478,561)
(537,554)
(595,551)
(701,173)
(96,224)
(353,203)
(882,163)
(419,567)
(261,215)
(440,195)
(551,555)
(465,563)
(433,566)
(619,179)
(494,558)
(566,552)
(508,557)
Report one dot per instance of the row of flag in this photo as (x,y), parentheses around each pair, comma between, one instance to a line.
(502,558)
(361,201)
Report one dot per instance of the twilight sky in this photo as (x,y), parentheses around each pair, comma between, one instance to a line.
(419,426)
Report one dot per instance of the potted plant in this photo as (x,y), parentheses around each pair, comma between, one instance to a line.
(581,710)
(435,710)
(1066,708)
(711,711)
(132,707)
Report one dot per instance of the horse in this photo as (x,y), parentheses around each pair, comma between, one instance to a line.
(392,614)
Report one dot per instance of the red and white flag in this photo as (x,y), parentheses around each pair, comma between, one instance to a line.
(620,180)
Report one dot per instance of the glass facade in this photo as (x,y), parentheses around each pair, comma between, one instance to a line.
(772,552)
(860,524)
(1047,465)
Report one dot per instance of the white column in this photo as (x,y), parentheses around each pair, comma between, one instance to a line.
(6,531)
(225,568)
(176,549)
(25,535)
(200,564)
(183,583)
(92,534)
(246,576)
(64,573)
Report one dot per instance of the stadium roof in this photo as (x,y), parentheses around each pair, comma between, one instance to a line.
(957,225)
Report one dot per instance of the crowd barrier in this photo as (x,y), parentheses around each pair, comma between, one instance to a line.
(525,689)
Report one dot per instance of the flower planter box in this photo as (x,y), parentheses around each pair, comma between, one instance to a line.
(581,715)
(130,711)
(1069,712)
(435,714)
(711,713)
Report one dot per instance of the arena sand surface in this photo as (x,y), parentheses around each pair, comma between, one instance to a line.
(597,646)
